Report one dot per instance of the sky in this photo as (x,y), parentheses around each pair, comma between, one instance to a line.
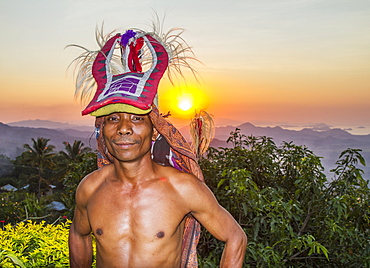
(266,62)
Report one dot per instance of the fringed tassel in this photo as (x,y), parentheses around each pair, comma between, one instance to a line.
(202,130)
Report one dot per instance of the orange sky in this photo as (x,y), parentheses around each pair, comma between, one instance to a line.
(266,62)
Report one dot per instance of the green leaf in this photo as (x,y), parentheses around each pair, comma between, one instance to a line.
(245,208)
(220,183)
(15,260)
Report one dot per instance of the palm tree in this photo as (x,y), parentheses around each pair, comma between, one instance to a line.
(75,152)
(39,155)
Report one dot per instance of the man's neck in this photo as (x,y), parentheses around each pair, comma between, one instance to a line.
(134,172)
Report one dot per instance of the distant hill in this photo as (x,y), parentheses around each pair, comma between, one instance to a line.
(37,123)
(13,138)
(280,134)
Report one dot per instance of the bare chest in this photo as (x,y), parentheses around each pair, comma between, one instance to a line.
(143,216)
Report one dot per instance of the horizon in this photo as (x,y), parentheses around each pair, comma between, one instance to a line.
(219,122)
(295,62)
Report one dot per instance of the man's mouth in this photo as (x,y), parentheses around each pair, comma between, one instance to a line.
(124,144)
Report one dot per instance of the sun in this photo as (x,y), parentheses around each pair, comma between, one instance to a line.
(185,103)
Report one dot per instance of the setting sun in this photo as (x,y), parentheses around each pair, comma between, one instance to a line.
(185,104)
(183,101)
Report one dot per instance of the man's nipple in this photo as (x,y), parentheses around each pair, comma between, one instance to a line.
(99,231)
(160,234)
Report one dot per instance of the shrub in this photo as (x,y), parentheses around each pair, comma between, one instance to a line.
(21,206)
(35,244)
(293,216)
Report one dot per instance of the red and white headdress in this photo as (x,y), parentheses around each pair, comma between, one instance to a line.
(122,83)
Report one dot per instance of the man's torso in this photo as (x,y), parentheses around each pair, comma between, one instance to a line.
(138,227)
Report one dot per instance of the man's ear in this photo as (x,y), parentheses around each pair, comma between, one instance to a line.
(155,134)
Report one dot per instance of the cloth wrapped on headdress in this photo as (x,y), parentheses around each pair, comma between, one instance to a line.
(123,86)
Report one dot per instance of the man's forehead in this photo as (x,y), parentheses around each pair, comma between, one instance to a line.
(147,115)
(125,113)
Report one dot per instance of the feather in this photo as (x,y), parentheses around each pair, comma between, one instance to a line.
(85,83)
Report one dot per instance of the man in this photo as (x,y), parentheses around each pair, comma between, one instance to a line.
(139,210)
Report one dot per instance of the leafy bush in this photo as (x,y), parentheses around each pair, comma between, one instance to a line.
(35,244)
(292,215)
(12,210)
(21,206)
(77,171)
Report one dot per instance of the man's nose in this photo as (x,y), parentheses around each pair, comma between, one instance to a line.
(124,127)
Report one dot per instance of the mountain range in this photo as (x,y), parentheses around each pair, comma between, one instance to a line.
(37,123)
(323,140)
(12,138)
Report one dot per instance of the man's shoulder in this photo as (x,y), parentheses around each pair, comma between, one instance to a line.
(173,174)
(191,192)
(91,181)
(181,180)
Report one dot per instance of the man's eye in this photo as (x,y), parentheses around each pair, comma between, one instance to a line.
(137,118)
(112,118)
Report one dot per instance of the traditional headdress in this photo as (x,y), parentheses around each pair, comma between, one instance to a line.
(122,83)
(124,86)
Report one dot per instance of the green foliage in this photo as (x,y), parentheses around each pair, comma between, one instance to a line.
(348,208)
(34,244)
(6,167)
(292,215)
(73,154)
(39,166)
(11,208)
(21,206)
(4,255)
(77,171)
(8,180)
(25,238)
(40,156)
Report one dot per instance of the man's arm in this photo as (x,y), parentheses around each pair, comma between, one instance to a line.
(217,221)
(79,241)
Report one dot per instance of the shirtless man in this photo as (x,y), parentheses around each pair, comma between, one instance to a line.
(136,208)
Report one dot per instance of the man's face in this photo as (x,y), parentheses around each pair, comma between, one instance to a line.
(128,136)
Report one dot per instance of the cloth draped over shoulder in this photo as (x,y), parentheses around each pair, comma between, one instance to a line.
(185,160)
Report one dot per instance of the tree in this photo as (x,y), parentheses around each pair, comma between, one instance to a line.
(75,152)
(6,166)
(39,155)
(73,177)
